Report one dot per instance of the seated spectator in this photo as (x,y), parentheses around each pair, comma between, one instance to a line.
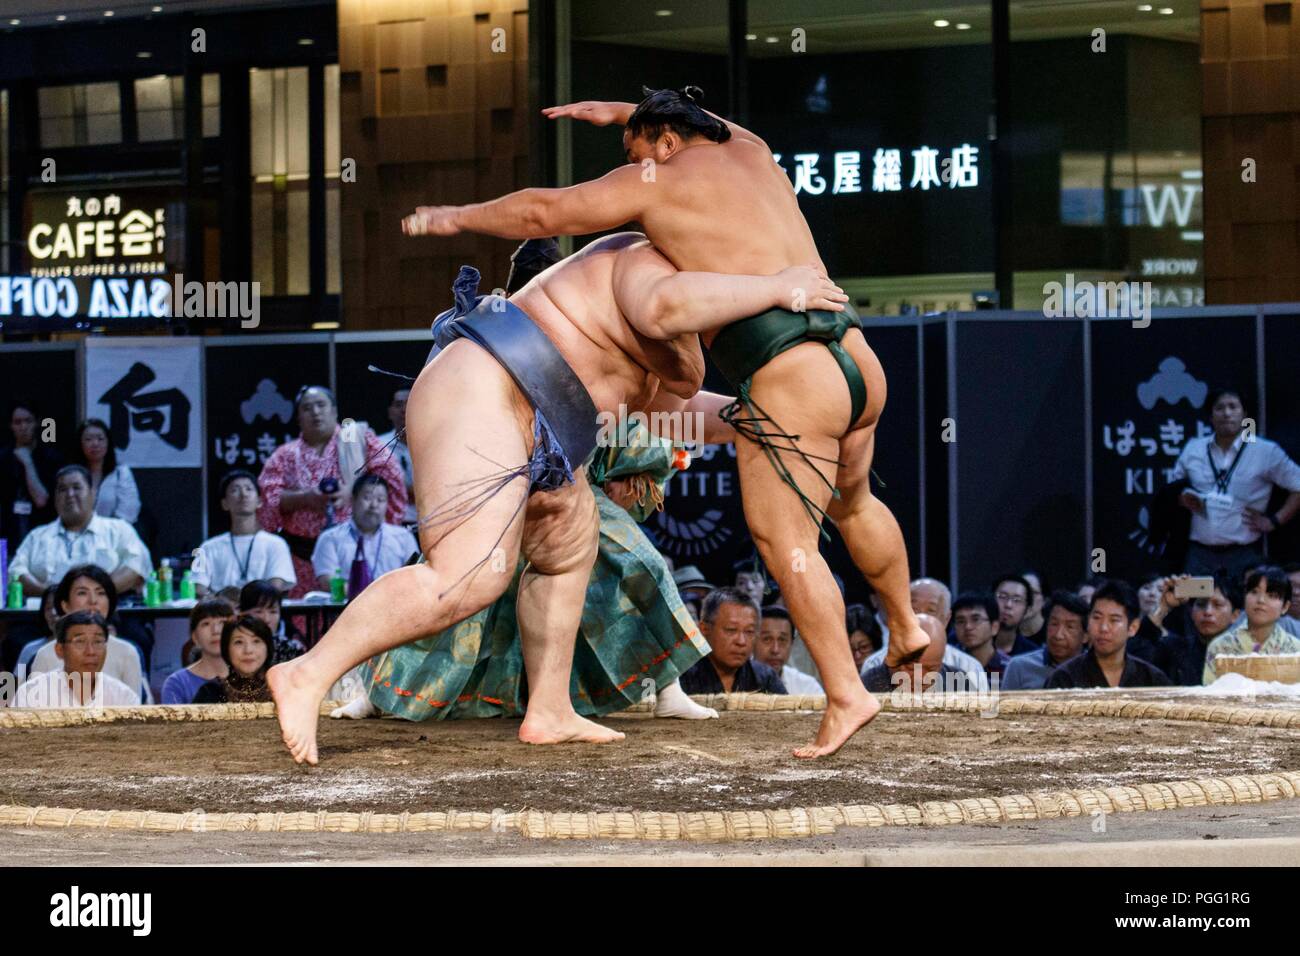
(1210,617)
(227,562)
(1113,617)
(930,596)
(864,634)
(263,600)
(1268,597)
(89,588)
(955,659)
(1156,598)
(751,578)
(975,619)
(27,469)
(928,674)
(1088,587)
(81,642)
(79,536)
(246,651)
(1291,622)
(776,637)
(207,619)
(692,587)
(1012,593)
(729,622)
(1033,625)
(116,494)
(364,547)
(1067,618)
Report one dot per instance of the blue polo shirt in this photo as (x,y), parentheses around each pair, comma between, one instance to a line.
(1030,671)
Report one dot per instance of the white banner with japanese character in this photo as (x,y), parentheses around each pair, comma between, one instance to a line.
(149,392)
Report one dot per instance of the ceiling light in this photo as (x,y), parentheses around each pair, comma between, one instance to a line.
(61,17)
(963,26)
(14,22)
(108,13)
(772,39)
(751,36)
(143,55)
(663,13)
(1166,10)
(306,41)
(155,9)
(1144,7)
(940,23)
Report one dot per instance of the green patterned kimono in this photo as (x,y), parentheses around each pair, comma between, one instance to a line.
(635,632)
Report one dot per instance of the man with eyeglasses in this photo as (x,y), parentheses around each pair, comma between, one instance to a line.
(975,619)
(81,641)
(1012,593)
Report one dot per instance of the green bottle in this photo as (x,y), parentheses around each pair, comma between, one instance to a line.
(15,594)
(151,590)
(187,586)
(338,588)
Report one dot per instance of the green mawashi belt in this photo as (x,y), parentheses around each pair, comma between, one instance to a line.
(744,347)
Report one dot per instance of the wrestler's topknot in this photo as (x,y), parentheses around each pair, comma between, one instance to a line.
(676,110)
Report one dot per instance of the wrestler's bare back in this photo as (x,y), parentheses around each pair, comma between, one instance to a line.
(574,302)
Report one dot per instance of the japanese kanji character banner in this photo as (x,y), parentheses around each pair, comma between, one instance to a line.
(149,391)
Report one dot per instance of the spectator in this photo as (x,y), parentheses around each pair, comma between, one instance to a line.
(864,633)
(116,494)
(79,536)
(246,651)
(1033,625)
(263,600)
(207,619)
(81,642)
(1113,618)
(395,441)
(954,657)
(245,553)
(27,469)
(364,547)
(729,622)
(692,587)
(1268,597)
(975,618)
(929,673)
(1012,593)
(89,588)
(1292,620)
(1067,617)
(930,596)
(1229,480)
(753,581)
(292,500)
(1088,587)
(776,637)
(1210,617)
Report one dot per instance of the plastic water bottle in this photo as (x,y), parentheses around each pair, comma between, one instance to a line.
(166,592)
(151,590)
(187,586)
(338,588)
(15,601)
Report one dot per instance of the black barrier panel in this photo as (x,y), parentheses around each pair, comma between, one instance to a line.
(365,395)
(935,363)
(249,395)
(170,525)
(1020,457)
(1282,398)
(1150,387)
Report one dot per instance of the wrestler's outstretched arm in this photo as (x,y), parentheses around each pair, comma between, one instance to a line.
(705,404)
(662,303)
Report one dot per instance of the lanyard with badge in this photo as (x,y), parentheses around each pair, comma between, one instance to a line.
(1219,499)
(248,558)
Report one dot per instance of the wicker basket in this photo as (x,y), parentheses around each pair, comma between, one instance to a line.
(1283,668)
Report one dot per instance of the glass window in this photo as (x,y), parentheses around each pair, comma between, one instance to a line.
(280,167)
(333,265)
(160,108)
(1106,151)
(87,114)
(211,104)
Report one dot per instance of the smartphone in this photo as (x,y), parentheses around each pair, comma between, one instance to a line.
(1194,588)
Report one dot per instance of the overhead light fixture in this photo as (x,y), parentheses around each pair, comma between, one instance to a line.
(324,326)
(940,23)
(1144,7)
(751,36)
(306,41)
(108,13)
(61,17)
(143,55)
(14,22)
(1166,10)
(963,26)
(771,39)
(663,13)
(155,9)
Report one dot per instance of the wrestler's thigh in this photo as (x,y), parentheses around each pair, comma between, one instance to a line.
(778,521)
(873,373)
(853,479)
(562,528)
(464,430)
(804,392)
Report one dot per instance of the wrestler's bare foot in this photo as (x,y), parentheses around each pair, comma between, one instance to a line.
(297,706)
(568,728)
(906,646)
(840,722)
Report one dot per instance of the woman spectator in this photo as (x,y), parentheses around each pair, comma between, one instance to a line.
(865,637)
(27,470)
(263,600)
(246,649)
(207,620)
(116,494)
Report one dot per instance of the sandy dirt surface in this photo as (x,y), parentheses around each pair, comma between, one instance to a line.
(741,761)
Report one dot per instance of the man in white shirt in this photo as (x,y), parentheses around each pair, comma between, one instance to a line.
(81,641)
(1230,477)
(776,637)
(397,415)
(226,563)
(364,547)
(79,536)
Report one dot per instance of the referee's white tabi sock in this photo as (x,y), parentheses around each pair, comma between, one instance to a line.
(355,709)
(672,701)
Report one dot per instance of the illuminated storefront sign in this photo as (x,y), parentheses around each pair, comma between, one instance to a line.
(957,169)
(45,298)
